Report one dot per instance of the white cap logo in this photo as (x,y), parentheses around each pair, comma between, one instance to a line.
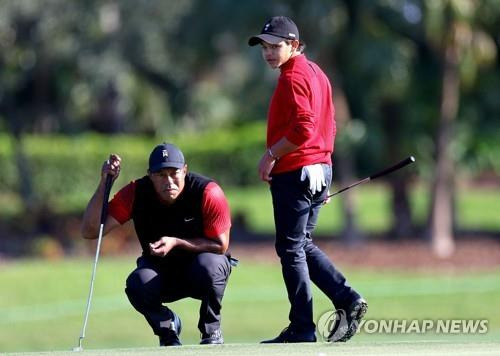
(266,27)
(164,153)
(291,35)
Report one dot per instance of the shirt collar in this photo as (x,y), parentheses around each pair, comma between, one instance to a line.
(301,58)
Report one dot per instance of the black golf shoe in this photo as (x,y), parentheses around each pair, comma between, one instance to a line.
(354,313)
(171,338)
(214,338)
(289,335)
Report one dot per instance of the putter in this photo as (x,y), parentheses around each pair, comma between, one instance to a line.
(104,213)
(384,172)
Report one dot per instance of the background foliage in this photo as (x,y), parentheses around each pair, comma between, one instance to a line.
(81,79)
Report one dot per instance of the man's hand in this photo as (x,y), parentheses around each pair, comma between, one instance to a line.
(111,166)
(163,246)
(266,165)
(92,214)
(328,199)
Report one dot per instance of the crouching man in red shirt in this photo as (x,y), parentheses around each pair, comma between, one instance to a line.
(182,221)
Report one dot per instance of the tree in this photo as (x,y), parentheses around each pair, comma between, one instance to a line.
(457,39)
(446,41)
(368,56)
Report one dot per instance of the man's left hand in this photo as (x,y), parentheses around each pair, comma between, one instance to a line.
(163,246)
(266,165)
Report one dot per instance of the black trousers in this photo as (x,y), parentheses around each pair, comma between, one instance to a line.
(296,212)
(201,276)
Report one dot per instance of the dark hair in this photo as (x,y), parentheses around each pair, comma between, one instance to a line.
(300,48)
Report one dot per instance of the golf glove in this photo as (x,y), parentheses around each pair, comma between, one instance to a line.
(315,175)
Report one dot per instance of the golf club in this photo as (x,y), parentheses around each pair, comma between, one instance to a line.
(104,213)
(391,169)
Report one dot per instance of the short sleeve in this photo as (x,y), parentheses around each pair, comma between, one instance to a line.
(120,207)
(215,208)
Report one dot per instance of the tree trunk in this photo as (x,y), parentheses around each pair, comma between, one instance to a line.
(351,233)
(398,183)
(441,212)
(107,118)
(25,187)
(25,182)
(401,212)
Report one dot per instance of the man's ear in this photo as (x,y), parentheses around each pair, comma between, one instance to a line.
(295,45)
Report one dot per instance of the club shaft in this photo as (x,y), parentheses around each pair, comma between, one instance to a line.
(104,212)
(91,291)
(384,172)
(350,186)
(393,168)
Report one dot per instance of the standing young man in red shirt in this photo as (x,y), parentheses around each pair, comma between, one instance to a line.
(298,166)
(182,221)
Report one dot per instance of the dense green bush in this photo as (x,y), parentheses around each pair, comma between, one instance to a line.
(64,170)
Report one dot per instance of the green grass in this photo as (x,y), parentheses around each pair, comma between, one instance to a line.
(42,306)
(256,205)
(427,347)
(477,208)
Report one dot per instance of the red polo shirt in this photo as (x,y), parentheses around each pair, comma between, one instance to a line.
(216,215)
(302,110)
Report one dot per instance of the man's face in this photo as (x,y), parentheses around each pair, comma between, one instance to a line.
(277,54)
(169,183)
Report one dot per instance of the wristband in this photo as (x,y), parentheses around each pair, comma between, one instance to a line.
(271,154)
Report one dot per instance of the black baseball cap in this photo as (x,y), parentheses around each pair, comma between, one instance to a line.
(165,155)
(275,30)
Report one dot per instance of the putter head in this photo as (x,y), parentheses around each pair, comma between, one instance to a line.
(79,347)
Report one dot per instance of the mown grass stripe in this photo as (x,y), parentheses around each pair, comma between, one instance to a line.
(242,294)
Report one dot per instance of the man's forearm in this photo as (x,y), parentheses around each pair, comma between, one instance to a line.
(201,244)
(92,214)
(282,147)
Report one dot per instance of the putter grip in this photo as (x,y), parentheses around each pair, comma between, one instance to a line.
(397,166)
(107,190)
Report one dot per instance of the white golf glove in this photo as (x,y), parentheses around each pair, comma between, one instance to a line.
(316,177)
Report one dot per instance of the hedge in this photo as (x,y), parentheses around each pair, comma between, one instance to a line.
(64,170)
